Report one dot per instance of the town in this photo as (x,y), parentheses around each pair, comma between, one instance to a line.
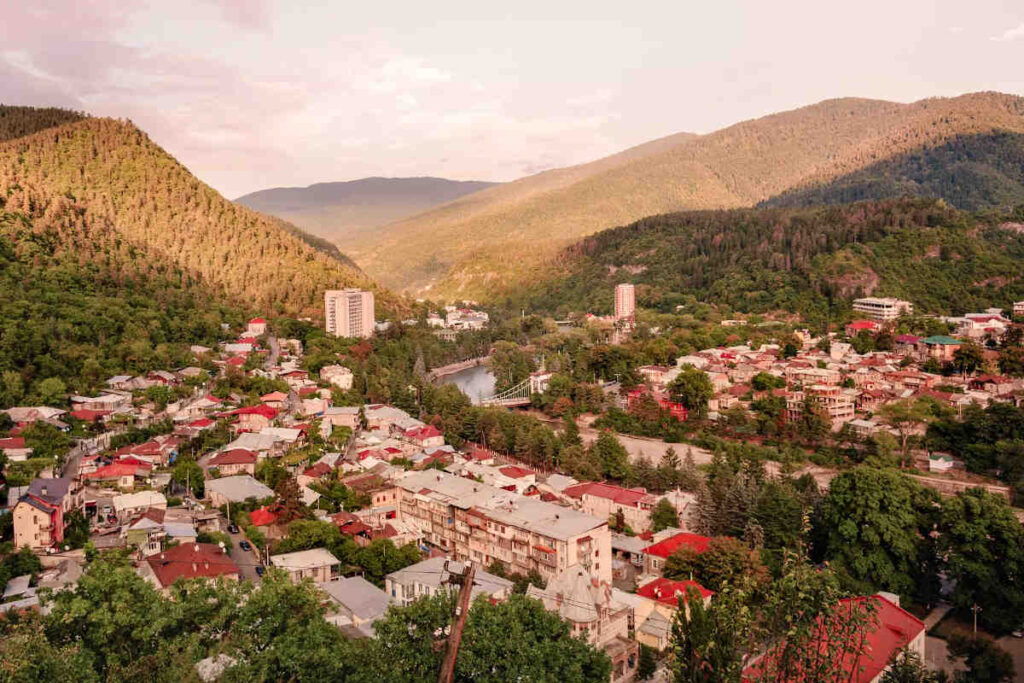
(661,484)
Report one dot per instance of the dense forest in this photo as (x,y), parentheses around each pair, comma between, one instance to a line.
(16,122)
(971,172)
(111,174)
(811,261)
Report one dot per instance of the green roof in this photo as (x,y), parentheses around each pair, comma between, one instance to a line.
(941,339)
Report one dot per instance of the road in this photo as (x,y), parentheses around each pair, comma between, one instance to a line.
(246,561)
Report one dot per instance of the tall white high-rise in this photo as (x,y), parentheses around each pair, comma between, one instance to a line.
(625,301)
(349,312)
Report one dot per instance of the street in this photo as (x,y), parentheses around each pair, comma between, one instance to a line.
(246,561)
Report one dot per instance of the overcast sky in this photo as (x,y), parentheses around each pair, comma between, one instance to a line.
(255,94)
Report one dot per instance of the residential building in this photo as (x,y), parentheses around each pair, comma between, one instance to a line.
(256,327)
(129,505)
(15,449)
(941,347)
(625,301)
(472,521)
(349,312)
(338,375)
(430,576)
(655,555)
(883,309)
(858,326)
(595,612)
(355,604)
(189,561)
(234,461)
(40,514)
(235,489)
(659,602)
(1018,309)
(316,563)
(607,500)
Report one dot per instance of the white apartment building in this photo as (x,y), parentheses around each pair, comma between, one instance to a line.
(625,301)
(882,308)
(1018,309)
(349,312)
(472,521)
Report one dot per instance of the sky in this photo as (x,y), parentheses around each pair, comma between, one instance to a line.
(251,94)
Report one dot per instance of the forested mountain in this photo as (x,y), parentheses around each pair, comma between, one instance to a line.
(477,244)
(114,257)
(351,212)
(970,172)
(795,260)
(16,122)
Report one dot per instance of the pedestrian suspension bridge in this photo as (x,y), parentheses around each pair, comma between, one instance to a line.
(519,395)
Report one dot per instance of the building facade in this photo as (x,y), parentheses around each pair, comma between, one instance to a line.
(625,301)
(349,312)
(882,308)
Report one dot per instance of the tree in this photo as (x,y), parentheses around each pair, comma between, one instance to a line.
(513,640)
(726,561)
(289,500)
(664,516)
(906,417)
(908,668)
(570,430)
(612,456)
(875,527)
(188,473)
(986,662)
(707,641)
(693,389)
(983,544)
(76,533)
(52,392)
(647,663)
(1011,361)
(968,358)
(509,364)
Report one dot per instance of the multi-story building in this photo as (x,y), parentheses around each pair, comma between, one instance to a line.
(40,515)
(428,578)
(882,308)
(837,403)
(472,521)
(1018,309)
(349,312)
(605,500)
(625,301)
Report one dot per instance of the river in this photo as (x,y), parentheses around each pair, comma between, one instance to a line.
(476,382)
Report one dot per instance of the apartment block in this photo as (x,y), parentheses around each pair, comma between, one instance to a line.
(349,312)
(887,308)
(471,521)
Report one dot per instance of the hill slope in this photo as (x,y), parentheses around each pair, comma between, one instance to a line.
(114,258)
(475,245)
(796,260)
(349,212)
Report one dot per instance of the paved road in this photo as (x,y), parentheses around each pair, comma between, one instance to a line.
(246,561)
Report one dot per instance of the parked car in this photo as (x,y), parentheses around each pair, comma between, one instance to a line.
(245,545)
(260,569)
(232,528)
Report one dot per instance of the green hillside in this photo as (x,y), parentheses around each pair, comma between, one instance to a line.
(970,172)
(799,260)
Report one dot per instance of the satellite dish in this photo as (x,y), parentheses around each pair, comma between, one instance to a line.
(221,544)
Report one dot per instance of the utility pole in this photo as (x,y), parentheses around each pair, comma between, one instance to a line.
(461,609)
(975,608)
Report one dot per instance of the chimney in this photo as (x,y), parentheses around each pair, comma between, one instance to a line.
(194,567)
(42,491)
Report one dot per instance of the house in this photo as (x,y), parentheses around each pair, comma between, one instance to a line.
(425,437)
(892,631)
(595,613)
(121,473)
(275,399)
(1018,309)
(39,515)
(342,416)
(189,561)
(355,604)
(882,308)
(316,563)
(656,554)
(234,461)
(108,401)
(337,375)
(430,576)
(675,409)
(941,347)
(252,418)
(130,505)
(607,500)
(235,489)
(654,613)
(15,449)
(940,462)
(858,326)
(194,428)
(257,327)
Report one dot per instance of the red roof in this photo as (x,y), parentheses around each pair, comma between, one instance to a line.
(427,432)
(670,545)
(190,561)
(235,360)
(201,423)
(862,325)
(116,471)
(894,629)
(274,396)
(236,456)
(87,415)
(318,470)
(907,339)
(265,411)
(257,321)
(262,517)
(620,495)
(516,472)
(12,442)
(668,592)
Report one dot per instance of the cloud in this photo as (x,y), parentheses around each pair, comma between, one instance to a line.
(1009,34)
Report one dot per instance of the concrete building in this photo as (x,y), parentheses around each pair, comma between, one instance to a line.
(317,564)
(235,489)
(40,514)
(1018,309)
(606,500)
(472,521)
(355,604)
(625,301)
(887,308)
(428,578)
(349,312)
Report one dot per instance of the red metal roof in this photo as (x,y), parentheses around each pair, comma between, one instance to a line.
(620,495)
(236,456)
(262,517)
(189,561)
(426,432)
(257,320)
(862,325)
(12,442)
(668,592)
(670,545)
(515,472)
(87,415)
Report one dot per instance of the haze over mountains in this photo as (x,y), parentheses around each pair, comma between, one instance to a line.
(351,212)
(504,235)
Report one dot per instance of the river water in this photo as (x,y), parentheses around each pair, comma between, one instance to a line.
(476,382)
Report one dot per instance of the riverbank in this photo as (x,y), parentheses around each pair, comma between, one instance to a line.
(451,369)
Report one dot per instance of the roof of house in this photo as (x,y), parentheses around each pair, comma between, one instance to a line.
(431,572)
(668,592)
(516,472)
(262,516)
(265,411)
(318,470)
(941,340)
(862,325)
(670,545)
(304,559)
(87,415)
(239,487)
(235,456)
(11,443)
(190,561)
(50,490)
(257,321)
(116,470)
(139,499)
(274,396)
(362,598)
(618,494)
(425,432)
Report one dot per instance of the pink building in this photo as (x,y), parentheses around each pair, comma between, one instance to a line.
(349,312)
(625,301)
